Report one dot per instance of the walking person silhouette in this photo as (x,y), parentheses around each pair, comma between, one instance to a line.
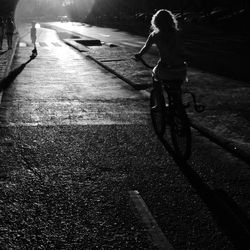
(33,33)
(10,27)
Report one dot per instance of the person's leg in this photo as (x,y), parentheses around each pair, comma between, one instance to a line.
(33,40)
(159,101)
(1,41)
(157,87)
(9,41)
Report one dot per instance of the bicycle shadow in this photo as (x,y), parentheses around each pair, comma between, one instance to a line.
(227,214)
(6,81)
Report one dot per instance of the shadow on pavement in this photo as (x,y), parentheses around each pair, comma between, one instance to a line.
(6,82)
(227,214)
(3,52)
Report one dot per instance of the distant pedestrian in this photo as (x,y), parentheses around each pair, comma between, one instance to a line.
(33,33)
(2,25)
(10,27)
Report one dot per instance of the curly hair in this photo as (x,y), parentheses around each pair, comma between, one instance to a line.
(164,20)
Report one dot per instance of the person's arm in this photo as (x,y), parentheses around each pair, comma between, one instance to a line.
(148,44)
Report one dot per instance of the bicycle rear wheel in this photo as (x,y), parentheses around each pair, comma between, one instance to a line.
(181,132)
(158,114)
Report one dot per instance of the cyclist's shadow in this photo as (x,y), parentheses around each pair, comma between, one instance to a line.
(228,215)
(6,81)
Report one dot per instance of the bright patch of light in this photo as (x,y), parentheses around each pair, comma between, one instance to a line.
(38,25)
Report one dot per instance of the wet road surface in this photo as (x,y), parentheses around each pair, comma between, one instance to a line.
(59,87)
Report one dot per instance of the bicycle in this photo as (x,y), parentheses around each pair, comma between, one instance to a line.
(167,108)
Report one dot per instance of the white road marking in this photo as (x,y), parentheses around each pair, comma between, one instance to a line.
(40,44)
(105,35)
(159,240)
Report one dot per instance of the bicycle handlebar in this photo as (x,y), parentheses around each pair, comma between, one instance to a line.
(198,107)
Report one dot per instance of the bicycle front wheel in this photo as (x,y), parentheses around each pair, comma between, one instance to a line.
(157,111)
(181,133)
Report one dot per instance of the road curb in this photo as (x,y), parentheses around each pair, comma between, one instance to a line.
(131,83)
(72,43)
(229,145)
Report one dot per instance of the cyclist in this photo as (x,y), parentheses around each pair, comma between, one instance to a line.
(165,34)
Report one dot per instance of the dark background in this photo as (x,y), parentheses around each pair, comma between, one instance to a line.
(229,15)
(215,31)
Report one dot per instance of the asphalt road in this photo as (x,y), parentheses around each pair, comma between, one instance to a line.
(75,140)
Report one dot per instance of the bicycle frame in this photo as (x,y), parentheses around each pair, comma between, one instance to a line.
(172,88)
(170,110)
(173,114)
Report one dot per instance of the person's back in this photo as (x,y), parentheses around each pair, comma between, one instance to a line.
(165,35)
(169,48)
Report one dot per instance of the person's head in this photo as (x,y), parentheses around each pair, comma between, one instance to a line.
(164,20)
(33,24)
